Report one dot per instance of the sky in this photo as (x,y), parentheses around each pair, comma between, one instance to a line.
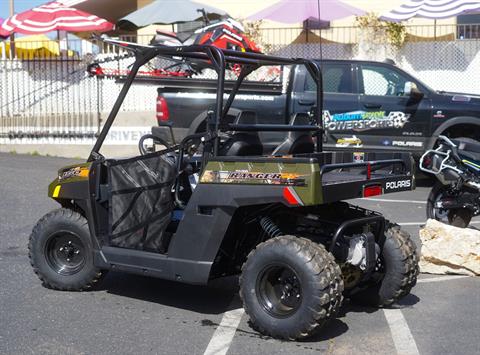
(20,5)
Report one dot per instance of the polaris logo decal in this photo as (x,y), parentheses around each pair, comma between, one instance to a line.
(407,144)
(396,185)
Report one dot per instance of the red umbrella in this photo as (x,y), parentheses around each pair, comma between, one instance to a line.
(52,17)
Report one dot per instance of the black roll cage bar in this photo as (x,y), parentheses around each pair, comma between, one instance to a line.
(218,58)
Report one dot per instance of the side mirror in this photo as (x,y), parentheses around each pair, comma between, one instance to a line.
(412,90)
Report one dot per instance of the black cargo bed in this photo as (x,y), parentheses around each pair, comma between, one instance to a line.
(344,179)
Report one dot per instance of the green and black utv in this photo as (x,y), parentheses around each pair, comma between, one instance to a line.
(214,205)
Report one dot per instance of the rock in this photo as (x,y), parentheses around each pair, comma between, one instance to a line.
(449,250)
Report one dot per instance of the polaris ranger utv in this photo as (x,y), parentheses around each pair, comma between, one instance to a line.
(213,206)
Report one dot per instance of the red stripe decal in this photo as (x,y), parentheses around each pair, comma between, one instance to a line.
(291,197)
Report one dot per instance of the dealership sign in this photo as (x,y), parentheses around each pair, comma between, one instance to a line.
(77,135)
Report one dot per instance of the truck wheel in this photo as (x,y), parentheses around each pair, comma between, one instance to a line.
(398,264)
(290,287)
(61,253)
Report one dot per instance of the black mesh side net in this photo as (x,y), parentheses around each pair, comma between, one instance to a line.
(141,201)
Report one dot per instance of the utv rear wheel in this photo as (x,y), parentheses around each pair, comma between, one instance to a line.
(396,273)
(61,253)
(290,287)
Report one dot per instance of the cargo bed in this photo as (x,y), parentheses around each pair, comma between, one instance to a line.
(374,174)
(342,178)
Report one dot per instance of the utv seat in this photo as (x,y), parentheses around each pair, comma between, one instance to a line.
(296,142)
(243,143)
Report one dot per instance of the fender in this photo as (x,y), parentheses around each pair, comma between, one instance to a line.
(202,118)
(72,183)
(450,123)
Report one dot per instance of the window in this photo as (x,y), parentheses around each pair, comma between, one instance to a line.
(189,26)
(468,26)
(382,81)
(337,78)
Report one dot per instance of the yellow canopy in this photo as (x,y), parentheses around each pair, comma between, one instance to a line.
(35,46)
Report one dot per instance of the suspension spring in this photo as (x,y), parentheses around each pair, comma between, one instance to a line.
(270,228)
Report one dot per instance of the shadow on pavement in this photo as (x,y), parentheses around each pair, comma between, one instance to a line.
(333,329)
(216,298)
(357,307)
(407,301)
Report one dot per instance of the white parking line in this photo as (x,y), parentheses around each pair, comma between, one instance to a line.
(401,335)
(223,336)
(420,223)
(395,201)
(441,278)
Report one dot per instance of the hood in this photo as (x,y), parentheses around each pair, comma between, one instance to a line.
(459,96)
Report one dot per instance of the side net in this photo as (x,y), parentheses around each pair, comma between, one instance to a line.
(141,201)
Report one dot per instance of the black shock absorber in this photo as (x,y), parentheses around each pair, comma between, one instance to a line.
(269,227)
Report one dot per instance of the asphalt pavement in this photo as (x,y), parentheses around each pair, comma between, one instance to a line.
(130,314)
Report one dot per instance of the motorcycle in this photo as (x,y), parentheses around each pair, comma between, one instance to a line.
(225,34)
(455,197)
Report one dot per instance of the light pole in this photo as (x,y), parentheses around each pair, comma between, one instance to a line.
(12,36)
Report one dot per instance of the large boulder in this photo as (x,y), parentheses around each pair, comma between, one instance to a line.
(449,250)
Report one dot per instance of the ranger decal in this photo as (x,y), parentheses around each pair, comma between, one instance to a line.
(248,177)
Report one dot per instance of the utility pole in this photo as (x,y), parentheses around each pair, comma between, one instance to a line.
(12,36)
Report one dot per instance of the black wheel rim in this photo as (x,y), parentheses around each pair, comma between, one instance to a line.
(279,290)
(65,253)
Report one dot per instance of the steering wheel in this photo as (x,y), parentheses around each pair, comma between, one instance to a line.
(156,141)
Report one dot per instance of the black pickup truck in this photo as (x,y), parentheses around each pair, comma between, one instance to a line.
(368,105)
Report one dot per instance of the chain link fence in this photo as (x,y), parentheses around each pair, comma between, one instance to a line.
(48,92)
(47,97)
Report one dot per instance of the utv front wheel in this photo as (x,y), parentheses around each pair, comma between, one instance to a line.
(396,274)
(290,287)
(61,253)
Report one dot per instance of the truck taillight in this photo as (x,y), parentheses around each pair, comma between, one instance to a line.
(373,190)
(162,109)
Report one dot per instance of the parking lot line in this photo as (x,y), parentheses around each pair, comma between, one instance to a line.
(442,278)
(401,335)
(421,223)
(395,201)
(223,336)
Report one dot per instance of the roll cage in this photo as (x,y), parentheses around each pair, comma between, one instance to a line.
(217,60)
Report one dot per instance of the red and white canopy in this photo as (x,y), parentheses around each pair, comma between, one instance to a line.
(56,15)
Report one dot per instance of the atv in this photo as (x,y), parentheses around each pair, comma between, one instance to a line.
(213,205)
